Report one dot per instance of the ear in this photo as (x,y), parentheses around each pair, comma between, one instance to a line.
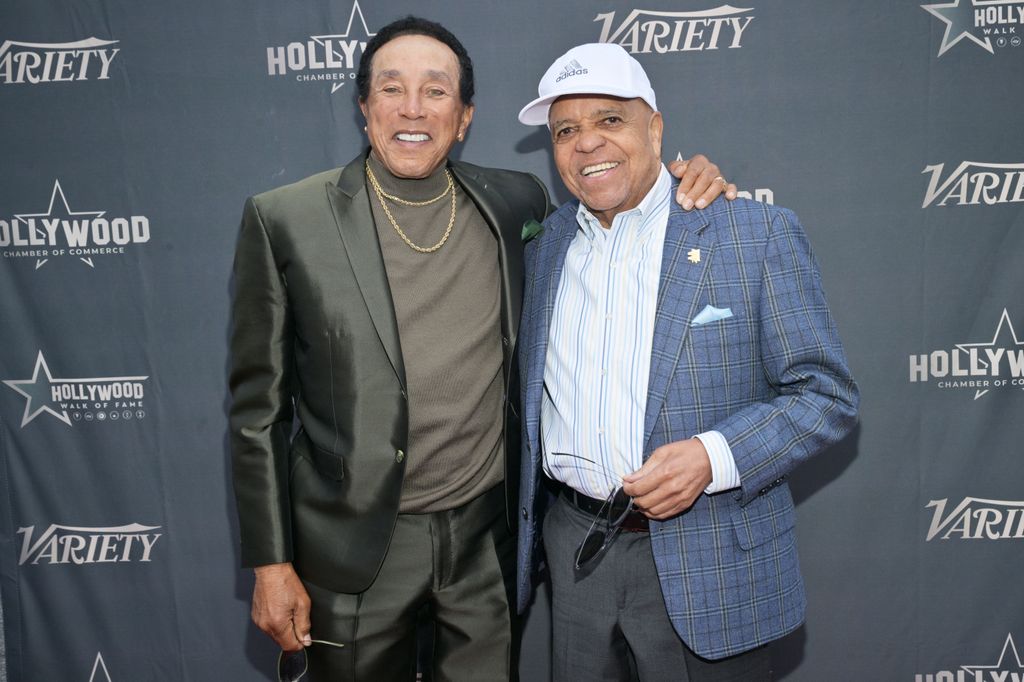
(467,117)
(655,128)
(362,108)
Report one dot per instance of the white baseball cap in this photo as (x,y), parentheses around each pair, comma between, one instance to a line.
(591,69)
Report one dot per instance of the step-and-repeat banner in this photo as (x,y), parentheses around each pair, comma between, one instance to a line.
(132,133)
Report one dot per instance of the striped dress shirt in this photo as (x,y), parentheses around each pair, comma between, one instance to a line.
(599,352)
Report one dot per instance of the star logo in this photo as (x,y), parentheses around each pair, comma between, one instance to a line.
(97,667)
(693,255)
(959,18)
(1010,343)
(38,393)
(59,211)
(320,40)
(1008,647)
(42,392)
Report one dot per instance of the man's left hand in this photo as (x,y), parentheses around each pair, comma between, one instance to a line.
(670,480)
(700,182)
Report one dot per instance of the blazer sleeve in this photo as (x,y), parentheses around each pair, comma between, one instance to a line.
(803,361)
(261,382)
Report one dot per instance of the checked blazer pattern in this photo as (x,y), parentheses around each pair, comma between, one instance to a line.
(772,378)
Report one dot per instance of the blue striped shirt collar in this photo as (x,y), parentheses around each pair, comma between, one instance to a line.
(653,204)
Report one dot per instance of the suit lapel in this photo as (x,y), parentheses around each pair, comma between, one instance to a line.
(678,294)
(350,204)
(547,275)
(507,228)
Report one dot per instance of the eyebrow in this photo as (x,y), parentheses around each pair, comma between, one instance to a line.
(432,74)
(439,75)
(594,114)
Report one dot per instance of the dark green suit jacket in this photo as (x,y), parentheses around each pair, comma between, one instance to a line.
(314,334)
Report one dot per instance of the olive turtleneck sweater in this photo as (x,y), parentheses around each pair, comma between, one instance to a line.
(448,306)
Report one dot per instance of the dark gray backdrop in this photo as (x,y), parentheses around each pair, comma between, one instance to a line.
(132,132)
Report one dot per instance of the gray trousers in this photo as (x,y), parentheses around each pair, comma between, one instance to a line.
(609,620)
(459,564)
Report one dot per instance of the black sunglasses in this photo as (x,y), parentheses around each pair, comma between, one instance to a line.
(292,665)
(606,525)
(608,520)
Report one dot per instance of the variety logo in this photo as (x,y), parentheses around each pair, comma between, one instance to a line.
(97,667)
(973,183)
(980,367)
(325,58)
(983,22)
(762,194)
(60,232)
(93,399)
(645,31)
(1007,669)
(81,545)
(977,519)
(35,63)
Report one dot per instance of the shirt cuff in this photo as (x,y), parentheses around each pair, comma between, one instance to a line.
(724,474)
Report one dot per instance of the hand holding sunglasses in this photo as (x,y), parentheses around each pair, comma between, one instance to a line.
(293,665)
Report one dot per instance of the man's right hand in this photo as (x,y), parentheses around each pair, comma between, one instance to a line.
(280,606)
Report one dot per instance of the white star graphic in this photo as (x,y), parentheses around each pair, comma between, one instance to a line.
(96,668)
(951,13)
(40,390)
(1007,647)
(1004,319)
(351,18)
(57,191)
(32,389)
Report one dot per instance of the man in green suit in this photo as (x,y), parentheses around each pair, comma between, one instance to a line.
(380,304)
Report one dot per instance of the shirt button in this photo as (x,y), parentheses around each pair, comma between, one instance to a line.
(399,456)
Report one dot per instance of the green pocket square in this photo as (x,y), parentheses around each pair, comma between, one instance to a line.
(531,228)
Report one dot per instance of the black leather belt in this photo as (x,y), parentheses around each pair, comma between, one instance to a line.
(635,522)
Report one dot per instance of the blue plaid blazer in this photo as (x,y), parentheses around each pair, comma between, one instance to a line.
(772,379)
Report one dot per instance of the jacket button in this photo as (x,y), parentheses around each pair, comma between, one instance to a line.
(504,341)
(399,456)
(526,515)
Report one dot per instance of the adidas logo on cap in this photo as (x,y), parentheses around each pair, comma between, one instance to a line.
(573,68)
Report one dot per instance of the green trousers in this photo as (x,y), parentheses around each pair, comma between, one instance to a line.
(459,565)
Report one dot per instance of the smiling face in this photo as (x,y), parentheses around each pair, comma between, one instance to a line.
(413,111)
(607,149)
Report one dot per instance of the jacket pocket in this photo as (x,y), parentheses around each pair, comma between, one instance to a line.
(765,518)
(327,463)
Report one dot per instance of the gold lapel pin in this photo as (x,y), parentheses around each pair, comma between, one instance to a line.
(693,255)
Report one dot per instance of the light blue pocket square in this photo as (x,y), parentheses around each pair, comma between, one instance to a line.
(711,314)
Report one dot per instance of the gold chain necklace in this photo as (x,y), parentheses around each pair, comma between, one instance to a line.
(381,194)
(400,200)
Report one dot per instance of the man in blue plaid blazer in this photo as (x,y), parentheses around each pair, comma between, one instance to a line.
(718,320)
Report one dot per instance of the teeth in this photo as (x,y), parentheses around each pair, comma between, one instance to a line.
(413,137)
(599,167)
